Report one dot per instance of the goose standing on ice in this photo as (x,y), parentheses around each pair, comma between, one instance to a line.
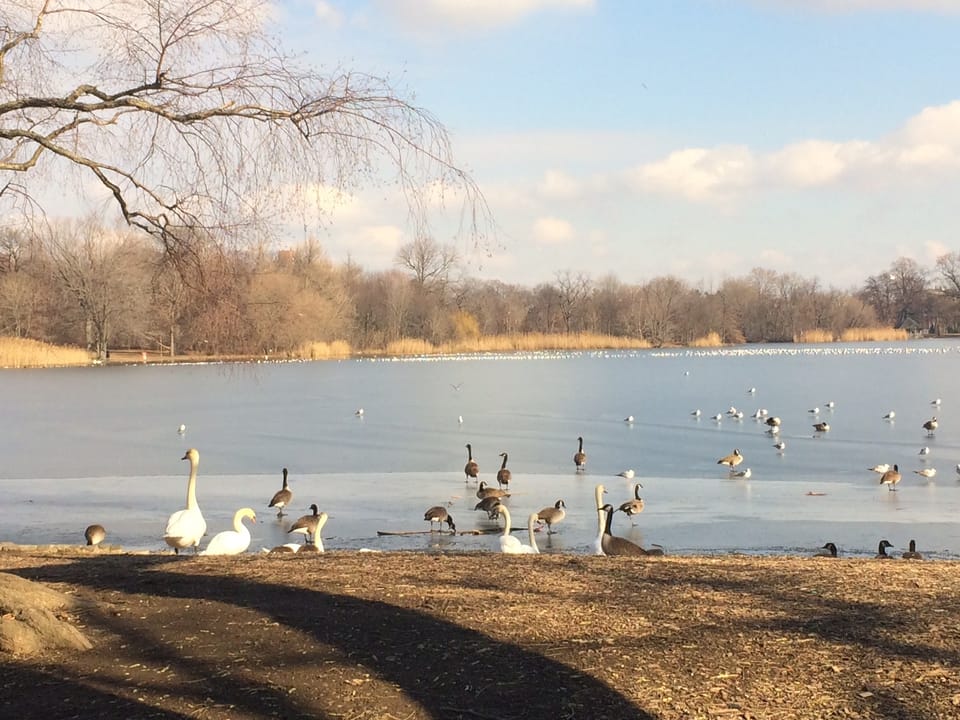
(310,526)
(731,460)
(580,457)
(232,542)
(504,476)
(552,515)
(438,514)
(94,534)
(187,526)
(512,545)
(635,506)
(489,506)
(484,492)
(931,426)
(891,477)
(282,497)
(471,469)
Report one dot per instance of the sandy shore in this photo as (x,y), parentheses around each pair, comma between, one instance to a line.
(408,635)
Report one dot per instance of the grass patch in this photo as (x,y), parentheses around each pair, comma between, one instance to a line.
(315,350)
(23,353)
(515,342)
(817,335)
(873,333)
(711,339)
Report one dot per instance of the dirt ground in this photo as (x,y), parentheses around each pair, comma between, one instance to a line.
(489,636)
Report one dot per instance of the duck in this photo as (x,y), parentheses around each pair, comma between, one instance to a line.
(438,514)
(635,506)
(512,545)
(628,474)
(282,497)
(552,515)
(828,550)
(931,426)
(503,474)
(613,545)
(471,469)
(926,472)
(880,468)
(912,553)
(489,506)
(580,457)
(882,550)
(731,460)
(484,492)
(310,525)
(186,527)
(232,542)
(821,427)
(94,534)
(891,477)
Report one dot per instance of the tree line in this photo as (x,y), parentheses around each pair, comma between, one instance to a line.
(84,284)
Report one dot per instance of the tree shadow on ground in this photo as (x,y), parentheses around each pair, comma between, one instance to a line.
(447,670)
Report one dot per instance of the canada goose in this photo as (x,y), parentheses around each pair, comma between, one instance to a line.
(773,421)
(931,426)
(613,545)
(186,527)
(284,549)
(731,460)
(881,468)
(94,534)
(552,515)
(890,415)
(821,427)
(309,525)
(504,476)
(891,477)
(580,457)
(882,550)
(512,545)
(471,469)
(489,506)
(601,525)
(283,497)
(926,472)
(438,514)
(780,445)
(912,553)
(635,506)
(484,492)
(232,542)
(628,474)
(745,474)
(828,550)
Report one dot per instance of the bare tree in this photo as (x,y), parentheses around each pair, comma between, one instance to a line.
(189,116)
(430,262)
(949,268)
(572,292)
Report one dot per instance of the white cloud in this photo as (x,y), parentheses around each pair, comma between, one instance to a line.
(552,231)
(945,7)
(327,14)
(698,174)
(473,14)
(558,185)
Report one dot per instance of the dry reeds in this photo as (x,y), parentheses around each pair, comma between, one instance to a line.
(23,353)
(315,350)
(815,335)
(865,334)
(711,339)
(515,342)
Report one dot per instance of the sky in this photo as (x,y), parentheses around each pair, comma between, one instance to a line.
(694,138)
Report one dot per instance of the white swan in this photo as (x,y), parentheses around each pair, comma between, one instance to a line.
(597,546)
(232,542)
(186,527)
(510,544)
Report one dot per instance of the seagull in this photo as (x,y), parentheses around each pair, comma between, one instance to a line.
(696,413)
(752,390)
(926,472)
(743,474)
(460,419)
(814,411)
(881,468)
(628,474)
(831,404)
(890,415)
(628,419)
(456,386)
(359,412)
(924,451)
(935,401)
(718,417)
(732,410)
(182,429)
(738,415)
(780,446)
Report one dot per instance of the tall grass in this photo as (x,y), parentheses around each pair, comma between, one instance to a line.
(815,335)
(514,342)
(711,339)
(23,353)
(873,333)
(323,350)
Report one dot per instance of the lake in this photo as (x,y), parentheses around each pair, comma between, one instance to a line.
(101,444)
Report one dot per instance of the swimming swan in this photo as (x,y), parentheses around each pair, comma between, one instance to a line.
(187,526)
(232,542)
(510,544)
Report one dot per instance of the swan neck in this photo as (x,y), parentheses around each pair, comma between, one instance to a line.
(192,486)
(530,530)
(506,517)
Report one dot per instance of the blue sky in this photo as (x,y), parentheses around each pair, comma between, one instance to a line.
(653,137)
